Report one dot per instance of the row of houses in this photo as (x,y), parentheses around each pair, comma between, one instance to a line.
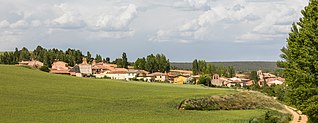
(241,80)
(104,70)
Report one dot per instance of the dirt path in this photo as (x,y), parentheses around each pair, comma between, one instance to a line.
(297,116)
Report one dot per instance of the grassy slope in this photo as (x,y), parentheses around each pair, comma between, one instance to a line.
(32,96)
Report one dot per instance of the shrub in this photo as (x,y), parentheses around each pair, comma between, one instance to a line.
(312,109)
(45,69)
(272,116)
(205,80)
(237,101)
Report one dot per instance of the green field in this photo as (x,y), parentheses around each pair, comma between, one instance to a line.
(28,95)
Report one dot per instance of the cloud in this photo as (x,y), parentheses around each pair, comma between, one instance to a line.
(257,20)
(218,13)
(21,24)
(275,24)
(4,24)
(117,22)
(70,18)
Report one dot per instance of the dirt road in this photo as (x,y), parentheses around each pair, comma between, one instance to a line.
(297,118)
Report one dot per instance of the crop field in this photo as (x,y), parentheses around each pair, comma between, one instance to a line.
(29,95)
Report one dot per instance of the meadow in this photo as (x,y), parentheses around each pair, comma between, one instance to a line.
(29,95)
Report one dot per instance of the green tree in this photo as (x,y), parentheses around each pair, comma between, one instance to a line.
(119,63)
(88,57)
(107,60)
(195,67)
(300,60)
(98,58)
(24,54)
(231,71)
(124,60)
(140,63)
(202,66)
(254,77)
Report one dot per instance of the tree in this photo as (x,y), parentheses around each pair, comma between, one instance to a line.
(107,60)
(24,54)
(140,63)
(202,66)
(300,61)
(231,72)
(195,67)
(88,57)
(16,55)
(124,61)
(98,58)
(254,77)
(119,63)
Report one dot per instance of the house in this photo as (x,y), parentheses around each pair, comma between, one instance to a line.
(216,81)
(159,77)
(180,79)
(271,81)
(143,75)
(60,67)
(131,74)
(237,81)
(33,63)
(117,73)
(82,70)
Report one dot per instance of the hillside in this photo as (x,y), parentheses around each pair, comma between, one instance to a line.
(29,95)
(239,66)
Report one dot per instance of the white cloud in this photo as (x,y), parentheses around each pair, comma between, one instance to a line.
(275,24)
(4,24)
(36,23)
(70,18)
(21,24)
(116,22)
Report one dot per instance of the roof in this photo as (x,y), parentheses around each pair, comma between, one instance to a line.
(143,71)
(156,74)
(75,69)
(118,71)
(182,71)
(60,71)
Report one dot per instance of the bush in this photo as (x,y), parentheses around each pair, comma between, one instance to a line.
(312,109)
(205,80)
(237,101)
(45,69)
(272,116)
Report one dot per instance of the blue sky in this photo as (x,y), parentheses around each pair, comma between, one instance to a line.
(214,30)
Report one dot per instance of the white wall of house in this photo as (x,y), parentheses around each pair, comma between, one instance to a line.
(161,78)
(131,76)
(121,76)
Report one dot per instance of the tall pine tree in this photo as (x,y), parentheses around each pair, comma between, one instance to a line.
(301,62)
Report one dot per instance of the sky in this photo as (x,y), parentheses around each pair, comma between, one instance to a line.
(183,30)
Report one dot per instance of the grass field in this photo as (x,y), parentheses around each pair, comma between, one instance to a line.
(28,95)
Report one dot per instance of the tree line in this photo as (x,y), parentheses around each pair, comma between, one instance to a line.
(48,56)
(153,63)
(201,67)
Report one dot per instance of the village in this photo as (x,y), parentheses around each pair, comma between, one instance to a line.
(110,71)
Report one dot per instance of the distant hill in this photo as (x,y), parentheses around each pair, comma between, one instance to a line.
(239,66)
